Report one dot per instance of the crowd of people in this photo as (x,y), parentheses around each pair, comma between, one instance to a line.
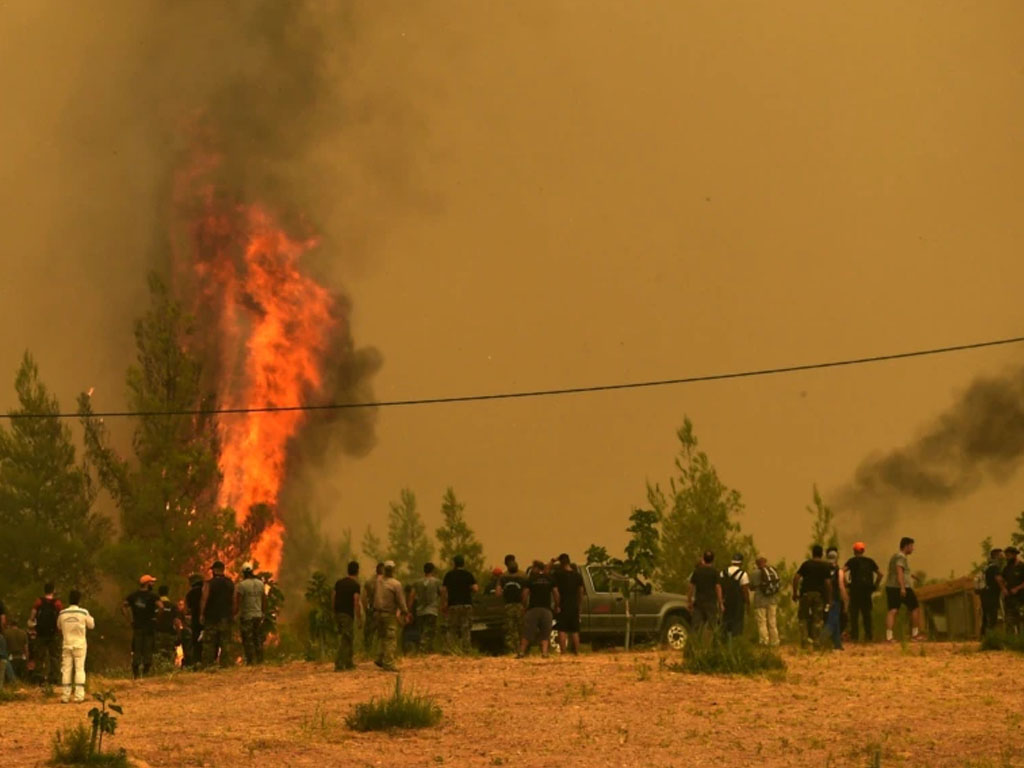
(834,603)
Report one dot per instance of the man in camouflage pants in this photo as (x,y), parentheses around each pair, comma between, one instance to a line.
(457,604)
(389,604)
(510,587)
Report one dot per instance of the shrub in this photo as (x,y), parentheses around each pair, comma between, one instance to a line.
(731,656)
(1002,641)
(399,710)
(72,746)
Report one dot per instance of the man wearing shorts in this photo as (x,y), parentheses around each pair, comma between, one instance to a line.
(538,597)
(899,591)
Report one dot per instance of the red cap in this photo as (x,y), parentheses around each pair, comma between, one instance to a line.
(859,547)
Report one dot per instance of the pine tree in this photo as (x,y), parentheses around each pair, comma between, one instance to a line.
(408,543)
(372,547)
(823,529)
(48,529)
(643,551)
(457,538)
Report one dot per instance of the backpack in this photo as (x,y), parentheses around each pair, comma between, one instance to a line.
(732,584)
(46,618)
(770,581)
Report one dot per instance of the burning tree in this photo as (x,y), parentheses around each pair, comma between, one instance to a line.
(171,520)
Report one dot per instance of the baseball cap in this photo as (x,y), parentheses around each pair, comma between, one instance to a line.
(146,579)
(389,563)
(496,571)
(859,547)
(737,558)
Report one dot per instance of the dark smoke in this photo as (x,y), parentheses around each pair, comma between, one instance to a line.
(980,438)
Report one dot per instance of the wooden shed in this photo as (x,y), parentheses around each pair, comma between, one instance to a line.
(952,610)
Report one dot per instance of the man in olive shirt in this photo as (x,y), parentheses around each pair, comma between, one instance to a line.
(899,591)
(250,607)
(388,608)
(426,597)
(812,590)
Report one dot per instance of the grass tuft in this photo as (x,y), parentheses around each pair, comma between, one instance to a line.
(402,709)
(1002,641)
(732,656)
(73,747)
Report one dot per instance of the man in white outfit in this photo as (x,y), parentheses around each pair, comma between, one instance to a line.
(73,622)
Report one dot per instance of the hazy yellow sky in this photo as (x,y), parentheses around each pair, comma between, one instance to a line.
(593,192)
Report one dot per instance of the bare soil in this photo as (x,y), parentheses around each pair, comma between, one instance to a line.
(928,705)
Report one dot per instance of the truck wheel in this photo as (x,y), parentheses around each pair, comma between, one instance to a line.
(674,632)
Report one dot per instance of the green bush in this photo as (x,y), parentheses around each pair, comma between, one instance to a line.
(73,746)
(730,656)
(399,710)
(1002,641)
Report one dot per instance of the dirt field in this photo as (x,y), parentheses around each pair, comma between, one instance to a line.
(950,706)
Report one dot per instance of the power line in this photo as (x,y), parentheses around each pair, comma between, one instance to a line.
(545,392)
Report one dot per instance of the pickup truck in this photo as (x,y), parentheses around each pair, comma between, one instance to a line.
(660,616)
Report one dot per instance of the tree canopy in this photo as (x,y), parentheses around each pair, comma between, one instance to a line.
(456,537)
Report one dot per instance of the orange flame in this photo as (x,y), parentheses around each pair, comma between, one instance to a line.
(273,324)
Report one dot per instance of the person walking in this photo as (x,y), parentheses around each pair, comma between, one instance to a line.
(706,600)
(863,577)
(899,591)
(348,611)
(510,588)
(766,585)
(735,596)
(1011,584)
(167,625)
(73,623)
(251,608)
(834,616)
(389,608)
(457,604)
(194,609)
(215,614)
(991,593)
(538,597)
(47,646)
(369,592)
(812,591)
(426,605)
(570,592)
(140,608)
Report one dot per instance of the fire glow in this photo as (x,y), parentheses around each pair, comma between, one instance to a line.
(272,324)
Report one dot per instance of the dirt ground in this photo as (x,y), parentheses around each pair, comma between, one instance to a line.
(928,705)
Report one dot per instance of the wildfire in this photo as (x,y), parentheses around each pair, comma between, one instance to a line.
(273,324)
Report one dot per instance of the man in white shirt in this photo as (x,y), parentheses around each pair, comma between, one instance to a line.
(72,623)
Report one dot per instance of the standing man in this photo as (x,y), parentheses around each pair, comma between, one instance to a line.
(864,577)
(538,597)
(47,648)
(426,597)
(812,590)
(569,583)
(706,600)
(834,618)
(17,648)
(73,623)
(369,592)
(1011,583)
(140,607)
(347,612)
(194,608)
(736,596)
(388,609)
(457,603)
(510,587)
(899,591)
(251,607)
(766,585)
(216,612)
(168,624)
(991,593)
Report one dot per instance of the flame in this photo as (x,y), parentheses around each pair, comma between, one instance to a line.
(273,324)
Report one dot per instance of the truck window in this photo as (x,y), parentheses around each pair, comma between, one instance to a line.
(601,579)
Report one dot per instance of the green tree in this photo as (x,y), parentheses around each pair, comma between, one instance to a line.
(372,547)
(456,537)
(166,495)
(698,512)
(597,555)
(643,551)
(1017,537)
(48,529)
(408,543)
(823,527)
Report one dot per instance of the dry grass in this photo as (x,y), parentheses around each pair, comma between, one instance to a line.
(947,708)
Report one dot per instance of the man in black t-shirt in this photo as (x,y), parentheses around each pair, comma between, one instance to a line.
(538,597)
(194,607)
(168,622)
(218,611)
(1011,583)
(511,586)
(570,590)
(347,611)
(457,604)
(812,589)
(141,607)
(706,599)
(864,577)
(992,593)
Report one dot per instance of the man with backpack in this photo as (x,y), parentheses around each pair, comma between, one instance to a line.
(736,596)
(47,646)
(766,585)
(510,587)
(863,576)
